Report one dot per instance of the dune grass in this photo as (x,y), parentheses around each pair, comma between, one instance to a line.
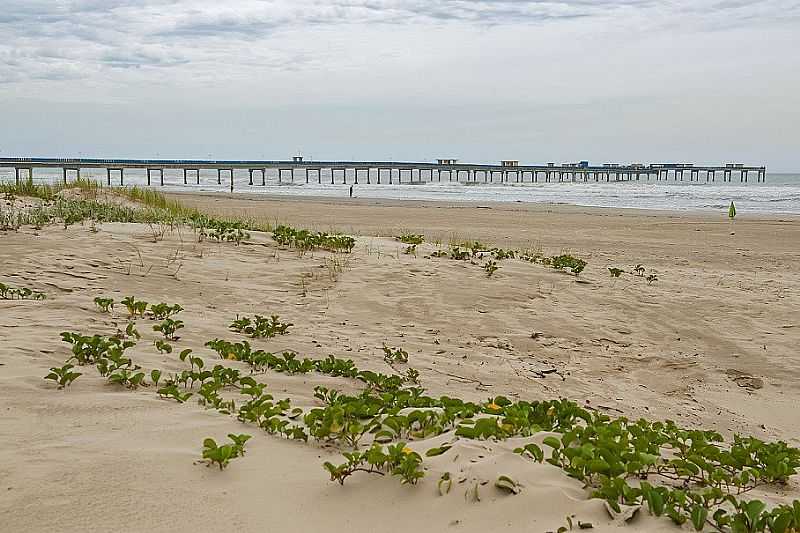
(151,207)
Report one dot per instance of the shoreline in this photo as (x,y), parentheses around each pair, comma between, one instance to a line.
(475,204)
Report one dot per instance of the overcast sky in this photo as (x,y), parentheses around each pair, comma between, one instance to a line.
(479,80)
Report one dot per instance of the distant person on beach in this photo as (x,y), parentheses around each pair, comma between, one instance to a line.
(351,191)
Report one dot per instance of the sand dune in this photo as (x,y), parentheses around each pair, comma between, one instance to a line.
(712,343)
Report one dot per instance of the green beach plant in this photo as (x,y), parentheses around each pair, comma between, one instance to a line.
(19,293)
(396,459)
(163,311)
(162,346)
(222,455)
(260,327)
(411,238)
(168,327)
(394,355)
(615,272)
(63,375)
(490,267)
(574,264)
(106,305)
(135,307)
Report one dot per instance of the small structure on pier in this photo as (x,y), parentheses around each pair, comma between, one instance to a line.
(297,159)
(447,161)
(509,163)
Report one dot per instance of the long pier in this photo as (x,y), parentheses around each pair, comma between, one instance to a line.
(387,172)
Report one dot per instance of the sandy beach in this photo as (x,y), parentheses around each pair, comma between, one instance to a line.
(711,344)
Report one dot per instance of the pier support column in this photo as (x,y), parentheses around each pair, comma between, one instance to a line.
(231,170)
(219,177)
(121,177)
(250,176)
(148,177)
(161,176)
(65,176)
(108,177)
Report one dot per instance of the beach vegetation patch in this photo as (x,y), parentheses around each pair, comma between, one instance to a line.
(306,240)
(162,310)
(394,355)
(490,267)
(222,455)
(168,327)
(566,261)
(411,238)
(135,307)
(106,305)
(260,326)
(396,459)
(19,293)
(63,375)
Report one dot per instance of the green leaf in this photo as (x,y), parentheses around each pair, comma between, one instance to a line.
(433,452)
(699,515)
(507,484)
(553,442)
(655,502)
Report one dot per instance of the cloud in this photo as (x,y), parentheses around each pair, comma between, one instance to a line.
(93,35)
(474,63)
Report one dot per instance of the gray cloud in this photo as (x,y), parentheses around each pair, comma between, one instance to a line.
(132,33)
(302,59)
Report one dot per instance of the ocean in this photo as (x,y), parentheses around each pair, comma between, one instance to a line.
(779,195)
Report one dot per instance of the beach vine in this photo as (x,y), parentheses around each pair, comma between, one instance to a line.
(687,475)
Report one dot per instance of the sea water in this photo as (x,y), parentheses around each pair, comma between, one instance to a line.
(780,194)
